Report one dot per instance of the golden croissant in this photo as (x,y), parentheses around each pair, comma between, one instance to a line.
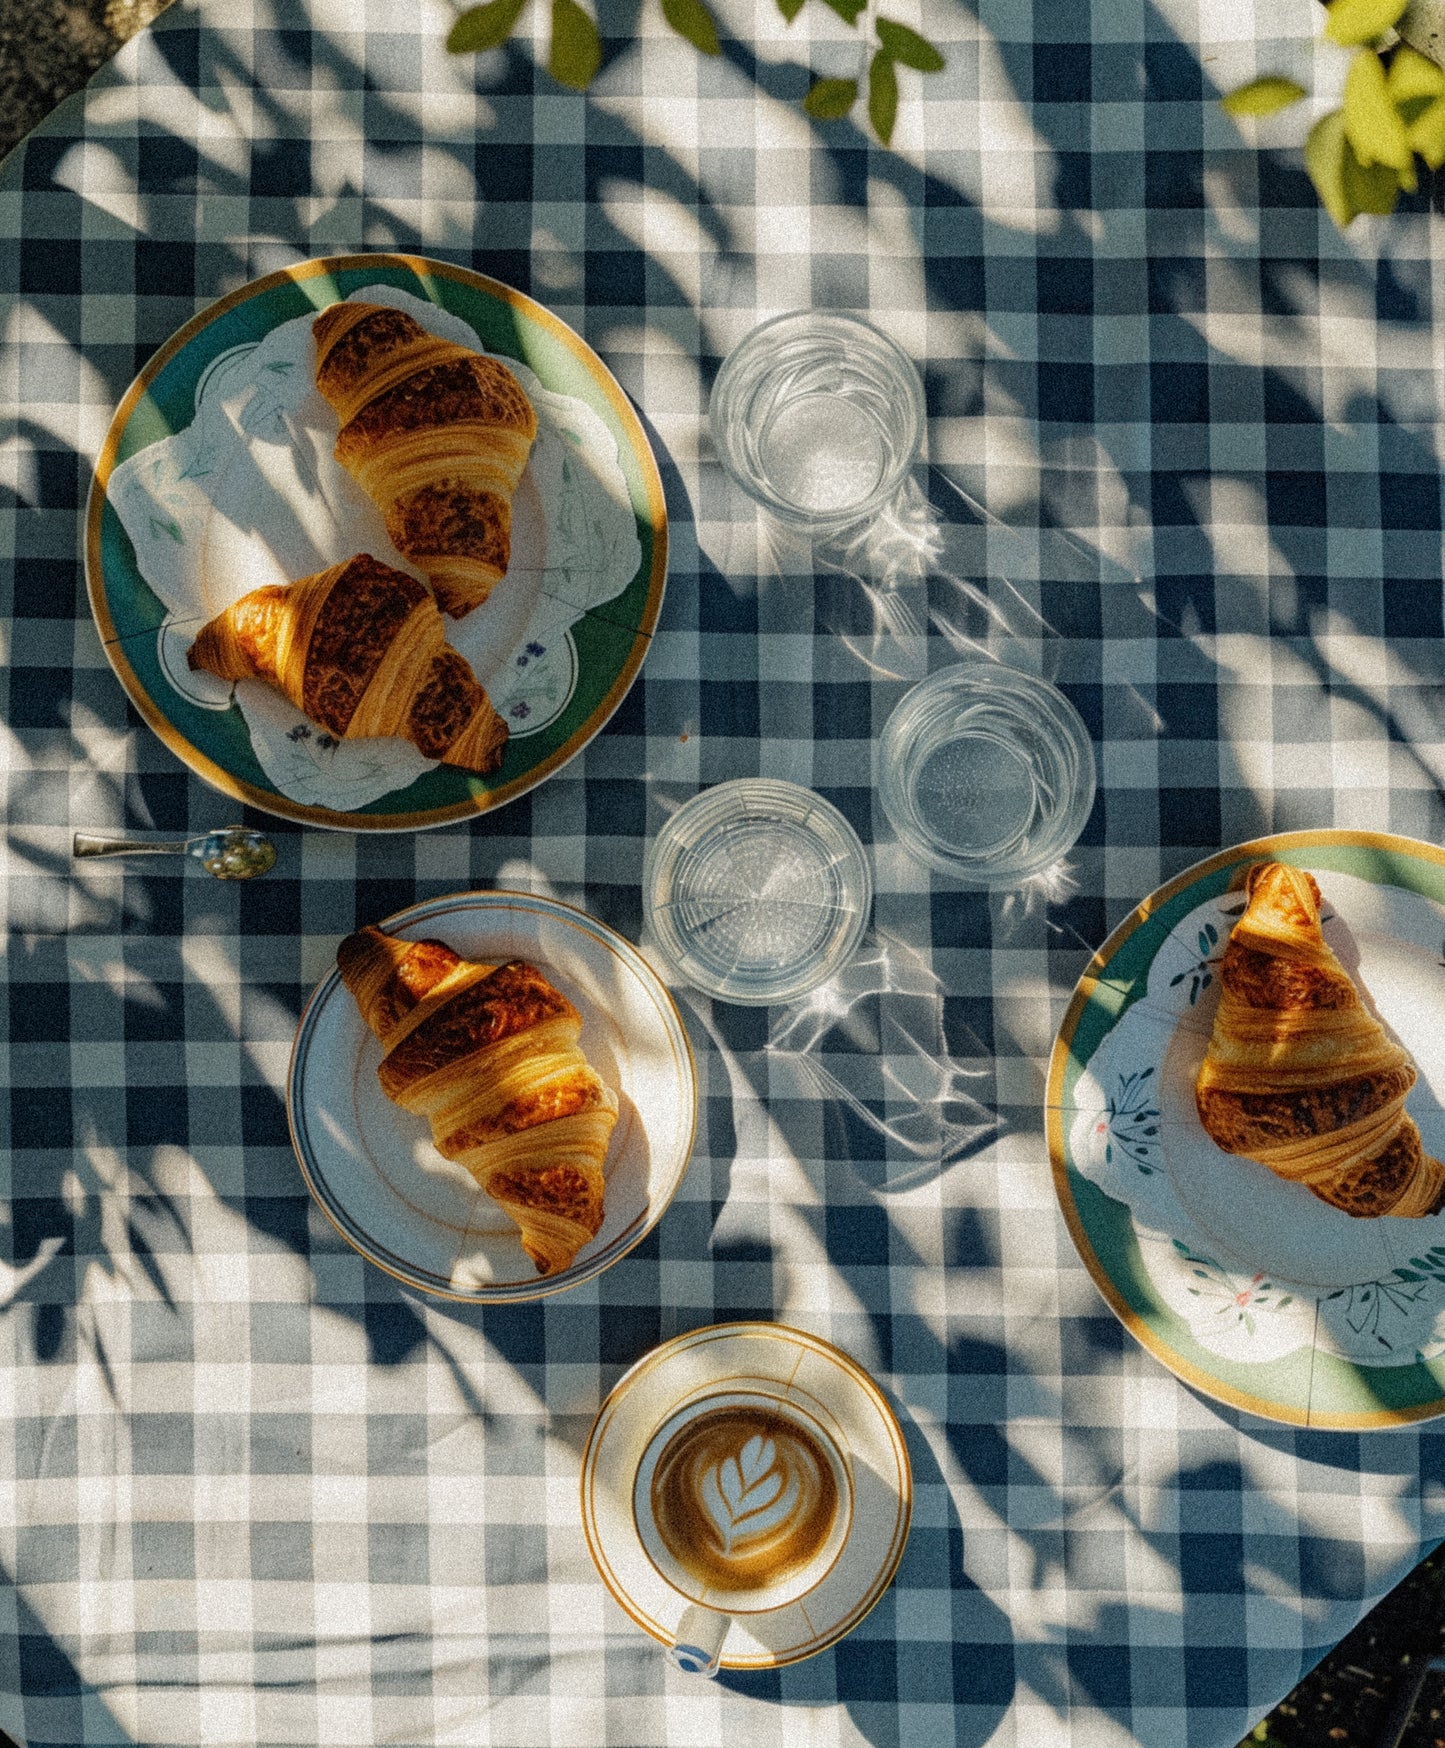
(1299,1075)
(359,649)
(437,435)
(488,1054)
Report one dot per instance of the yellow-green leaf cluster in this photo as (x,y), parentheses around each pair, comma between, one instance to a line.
(1363,154)
(1390,117)
(1346,186)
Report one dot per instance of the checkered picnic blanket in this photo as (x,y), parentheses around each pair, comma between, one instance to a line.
(251,1491)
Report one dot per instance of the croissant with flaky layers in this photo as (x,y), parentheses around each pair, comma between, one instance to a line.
(359,649)
(489,1055)
(437,435)
(1299,1075)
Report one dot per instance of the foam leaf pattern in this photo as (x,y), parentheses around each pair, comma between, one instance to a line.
(749,1493)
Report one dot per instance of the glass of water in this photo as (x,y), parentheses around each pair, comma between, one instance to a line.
(986,773)
(818,417)
(757,891)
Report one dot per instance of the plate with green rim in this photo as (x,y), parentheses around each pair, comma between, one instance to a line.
(1248,1288)
(217,476)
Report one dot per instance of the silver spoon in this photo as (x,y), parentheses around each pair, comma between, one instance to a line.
(232,853)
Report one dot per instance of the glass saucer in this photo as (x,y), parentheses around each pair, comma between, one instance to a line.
(757,891)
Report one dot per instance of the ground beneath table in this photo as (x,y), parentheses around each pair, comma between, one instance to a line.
(49,48)
(1349,1699)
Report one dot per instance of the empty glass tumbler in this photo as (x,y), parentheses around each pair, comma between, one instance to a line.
(819,417)
(986,773)
(757,891)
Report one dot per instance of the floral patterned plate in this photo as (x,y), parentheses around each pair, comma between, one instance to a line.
(217,476)
(1246,1287)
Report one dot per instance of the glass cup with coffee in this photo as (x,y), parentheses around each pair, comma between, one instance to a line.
(743,1501)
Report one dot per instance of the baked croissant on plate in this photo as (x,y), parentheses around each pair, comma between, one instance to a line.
(359,649)
(1299,1075)
(437,435)
(488,1054)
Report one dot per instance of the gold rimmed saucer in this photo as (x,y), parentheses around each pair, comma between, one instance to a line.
(882,1484)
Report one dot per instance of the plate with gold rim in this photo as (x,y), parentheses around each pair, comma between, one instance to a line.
(217,476)
(804,1367)
(421,1218)
(1248,1288)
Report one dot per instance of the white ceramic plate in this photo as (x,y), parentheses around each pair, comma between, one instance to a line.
(878,1458)
(372,1167)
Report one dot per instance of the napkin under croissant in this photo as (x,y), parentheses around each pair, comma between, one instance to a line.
(489,1055)
(359,649)
(436,434)
(1299,1074)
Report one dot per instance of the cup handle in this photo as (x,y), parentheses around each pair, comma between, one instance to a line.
(700,1635)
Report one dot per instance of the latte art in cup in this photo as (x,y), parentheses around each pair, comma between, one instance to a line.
(745,1486)
(743,1497)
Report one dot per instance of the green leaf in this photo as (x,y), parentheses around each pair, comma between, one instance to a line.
(1261,97)
(909,47)
(1372,187)
(1360,21)
(831,99)
(847,10)
(1426,133)
(1372,122)
(484,27)
(1325,162)
(576,46)
(790,9)
(882,95)
(1325,150)
(691,18)
(1413,75)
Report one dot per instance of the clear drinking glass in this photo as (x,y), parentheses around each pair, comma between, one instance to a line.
(986,773)
(757,891)
(818,417)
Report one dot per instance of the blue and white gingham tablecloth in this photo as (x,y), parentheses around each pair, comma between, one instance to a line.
(253,1493)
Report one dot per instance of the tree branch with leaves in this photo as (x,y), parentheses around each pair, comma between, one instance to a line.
(1362,156)
(575,52)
